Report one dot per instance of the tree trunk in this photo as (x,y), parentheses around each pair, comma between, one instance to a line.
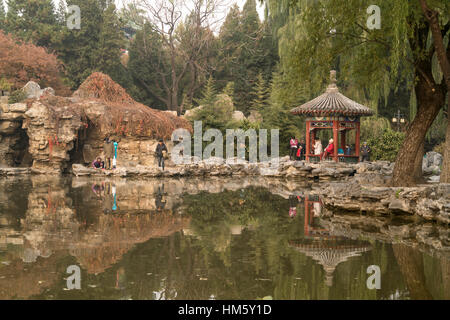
(445,173)
(430,98)
(418,174)
(444,61)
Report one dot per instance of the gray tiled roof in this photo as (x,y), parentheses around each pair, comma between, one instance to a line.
(332,102)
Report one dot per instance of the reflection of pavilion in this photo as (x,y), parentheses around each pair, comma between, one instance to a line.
(326,250)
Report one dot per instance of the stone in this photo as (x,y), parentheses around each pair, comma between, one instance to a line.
(32,90)
(18,107)
(9,127)
(191,112)
(238,116)
(255,117)
(48,90)
(399,205)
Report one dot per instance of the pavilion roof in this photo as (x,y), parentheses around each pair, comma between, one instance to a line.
(332,102)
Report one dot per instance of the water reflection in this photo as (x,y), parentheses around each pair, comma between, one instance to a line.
(317,242)
(172,239)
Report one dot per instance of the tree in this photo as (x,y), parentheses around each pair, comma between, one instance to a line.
(178,46)
(246,50)
(21,62)
(208,95)
(333,34)
(33,21)
(442,52)
(95,46)
(261,94)
(2,15)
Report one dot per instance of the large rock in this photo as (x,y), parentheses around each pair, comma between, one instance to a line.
(191,112)
(431,164)
(238,116)
(32,90)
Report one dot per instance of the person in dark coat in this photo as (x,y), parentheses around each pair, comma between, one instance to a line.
(108,149)
(365,152)
(160,147)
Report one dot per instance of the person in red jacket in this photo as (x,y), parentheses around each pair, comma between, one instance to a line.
(329,149)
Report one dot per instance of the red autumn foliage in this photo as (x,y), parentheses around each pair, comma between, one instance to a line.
(21,62)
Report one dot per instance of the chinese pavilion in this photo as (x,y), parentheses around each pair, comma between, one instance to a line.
(333,110)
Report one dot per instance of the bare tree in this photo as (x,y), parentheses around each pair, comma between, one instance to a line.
(184,29)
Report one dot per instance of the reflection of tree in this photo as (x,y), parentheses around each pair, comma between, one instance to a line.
(410,262)
(20,280)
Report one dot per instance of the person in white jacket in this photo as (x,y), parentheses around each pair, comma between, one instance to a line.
(318,149)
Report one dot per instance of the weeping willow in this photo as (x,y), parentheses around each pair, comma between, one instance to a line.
(315,36)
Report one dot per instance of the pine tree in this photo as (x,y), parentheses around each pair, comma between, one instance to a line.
(229,89)
(33,21)
(261,94)
(2,15)
(111,40)
(208,95)
(96,45)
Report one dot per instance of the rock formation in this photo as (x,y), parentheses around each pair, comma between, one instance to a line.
(58,131)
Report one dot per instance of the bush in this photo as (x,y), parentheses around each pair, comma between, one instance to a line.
(17,96)
(386,145)
(440,148)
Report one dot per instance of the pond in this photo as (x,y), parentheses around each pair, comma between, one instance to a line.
(194,239)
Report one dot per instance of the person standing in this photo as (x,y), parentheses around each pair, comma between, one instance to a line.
(160,147)
(348,150)
(301,147)
(293,148)
(365,152)
(116,146)
(108,149)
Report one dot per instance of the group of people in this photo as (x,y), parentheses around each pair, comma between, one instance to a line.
(297,150)
(110,148)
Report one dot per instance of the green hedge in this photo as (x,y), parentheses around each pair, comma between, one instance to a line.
(386,145)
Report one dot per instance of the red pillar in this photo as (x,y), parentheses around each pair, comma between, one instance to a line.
(335,138)
(357,139)
(308,142)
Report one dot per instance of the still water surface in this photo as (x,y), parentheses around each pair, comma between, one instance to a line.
(166,239)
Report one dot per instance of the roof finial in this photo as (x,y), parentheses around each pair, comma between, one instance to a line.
(333,76)
(332,87)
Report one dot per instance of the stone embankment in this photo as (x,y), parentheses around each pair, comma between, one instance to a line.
(427,202)
(377,172)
